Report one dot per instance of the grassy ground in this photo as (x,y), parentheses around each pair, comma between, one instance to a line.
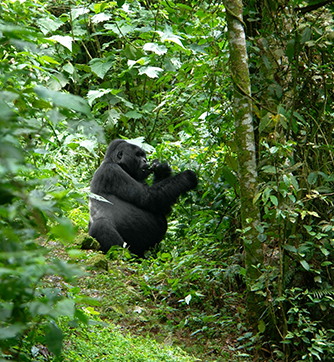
(143,317)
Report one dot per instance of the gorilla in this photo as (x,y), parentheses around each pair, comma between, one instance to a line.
(127,211)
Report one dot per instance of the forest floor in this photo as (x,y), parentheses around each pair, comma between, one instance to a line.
(124,301)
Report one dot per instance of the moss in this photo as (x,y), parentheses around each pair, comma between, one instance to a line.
(98,261)
(84,241)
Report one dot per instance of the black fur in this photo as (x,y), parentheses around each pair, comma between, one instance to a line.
(136,212)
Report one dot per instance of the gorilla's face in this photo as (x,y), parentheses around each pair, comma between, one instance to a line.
(133,160)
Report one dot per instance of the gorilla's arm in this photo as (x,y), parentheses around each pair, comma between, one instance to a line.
(111,179)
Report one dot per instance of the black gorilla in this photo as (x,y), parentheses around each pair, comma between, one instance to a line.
(135,213)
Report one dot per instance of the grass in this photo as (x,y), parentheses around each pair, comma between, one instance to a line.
(106,342)
(173,307)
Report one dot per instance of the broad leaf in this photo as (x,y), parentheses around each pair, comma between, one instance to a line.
(155,48)
(169,36)
(65,100)
(98,18)
(152,72)
(101,66)
(65,40)
(54,339)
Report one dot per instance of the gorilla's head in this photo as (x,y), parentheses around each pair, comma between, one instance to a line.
(130,157)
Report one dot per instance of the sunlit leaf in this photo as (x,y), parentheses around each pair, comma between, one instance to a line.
(78,11)
(187,299)
(64,40)
(155,48)
(152,72)
(49,25)
(98,18)
(168,36)
(305,265)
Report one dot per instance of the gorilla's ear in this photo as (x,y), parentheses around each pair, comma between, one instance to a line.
(119,155)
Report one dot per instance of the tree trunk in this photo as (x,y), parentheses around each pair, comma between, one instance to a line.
(244,137)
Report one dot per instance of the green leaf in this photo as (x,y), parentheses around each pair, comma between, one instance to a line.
(66,307)
(326,263)
(98,197)
(229,176)
(305,265)
(65,100)
(266,62)
(283,121)
(152,72)
(64,40)
(155,48)
(133,115)
(269,169)
(294,183)
(290,49)
(168,36)
(274,200)
(261,326)
(265,121)
(50,60)
(273,150)
(98,18)
(113,116)
(101,66)
(140,142)
(286,180)
(132,53)
(312,178)
(318,279)
(48,25)
(54,339)
(69,68)
(121,29)
(11,331)
(187,299)
(64,230)
(89,145)
(290,248)
(306,35)
(120,3)
(231,162)
(279,91)
(94,94)
(242,271)
(78,11)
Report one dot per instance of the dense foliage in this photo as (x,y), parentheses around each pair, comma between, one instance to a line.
(292,78)
(75,76)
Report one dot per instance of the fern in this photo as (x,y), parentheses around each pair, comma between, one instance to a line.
(321,293)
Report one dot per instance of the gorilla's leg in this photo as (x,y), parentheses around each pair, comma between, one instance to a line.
(105,234)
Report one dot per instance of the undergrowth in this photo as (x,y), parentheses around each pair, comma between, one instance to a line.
(106,342)
(177,298)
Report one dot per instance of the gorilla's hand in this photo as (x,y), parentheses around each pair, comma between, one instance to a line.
(161,170)
(191,178)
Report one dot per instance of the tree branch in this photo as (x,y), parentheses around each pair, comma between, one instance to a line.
(309,8)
